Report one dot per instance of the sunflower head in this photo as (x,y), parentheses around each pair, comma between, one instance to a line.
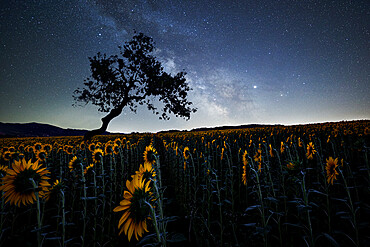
(7,155)
(88,168)
(150,154)
(97,155)
(68,149)
(37,146)
(331,170)
(244,175)
(282,147)
(136,206)
(146,171)
(118,142)
(108,149)
(186,153)
(271,151)
(47,148)
(310,151)
(116,149)
(41,155)
(17,183)
(245,158)
(74,163)
(92,147)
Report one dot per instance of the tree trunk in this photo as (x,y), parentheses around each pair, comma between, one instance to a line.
(105,121)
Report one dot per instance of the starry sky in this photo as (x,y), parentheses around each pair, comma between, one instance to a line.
(274,62)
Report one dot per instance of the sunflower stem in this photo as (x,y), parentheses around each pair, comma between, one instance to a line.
(35,186)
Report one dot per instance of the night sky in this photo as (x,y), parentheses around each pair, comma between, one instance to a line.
(275,62)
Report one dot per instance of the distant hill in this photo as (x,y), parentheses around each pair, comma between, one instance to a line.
(36,129)
(245,126)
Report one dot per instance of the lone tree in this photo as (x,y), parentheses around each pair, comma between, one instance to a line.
(134,78)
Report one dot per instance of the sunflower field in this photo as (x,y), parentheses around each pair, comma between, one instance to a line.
(303,185)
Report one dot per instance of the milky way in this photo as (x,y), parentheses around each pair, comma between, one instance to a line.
(272,62)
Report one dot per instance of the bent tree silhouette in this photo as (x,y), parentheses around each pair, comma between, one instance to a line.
(134,78)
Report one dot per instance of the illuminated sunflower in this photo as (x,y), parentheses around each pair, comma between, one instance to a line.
(186,153)
(270,151)
(300,144)
(116,149)
(282,147)
(97,155)
(245,159)
(74,163)
(258,158)
(47,148)
(7,155)
(149,154)
(118,142)
(135,207)
(146,171)
(21,148)
(17,186)
(11,149)
(310,151)
(41,155)
(82,145)
(244,175)
(88,168)
(29,149)
(92,147)
(68,149)
(108,149)
(37,146)
(331,169)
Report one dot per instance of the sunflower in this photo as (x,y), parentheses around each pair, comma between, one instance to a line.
(21,148)
(149,154)
(290,166)
(88,168)
(12,149)
(245,159)
(116,149)
(146,171)
(37,146)
(244,176)
(222,153)
(29,149)
(270,151)
(135,207)
(118,142)
(17,186)
(108,149)
(82,145)
(68,149)
(41,155)
(310,151)
(57,186)
(258,158)
(186,153)
(72,165)
(282,147)
(300,144)
(92,147)
(47,148)
(97,155)
(7,155)
(331,169)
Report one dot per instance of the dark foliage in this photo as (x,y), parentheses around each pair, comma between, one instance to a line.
(134,78)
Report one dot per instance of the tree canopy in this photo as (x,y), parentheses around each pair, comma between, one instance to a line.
(135,77)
